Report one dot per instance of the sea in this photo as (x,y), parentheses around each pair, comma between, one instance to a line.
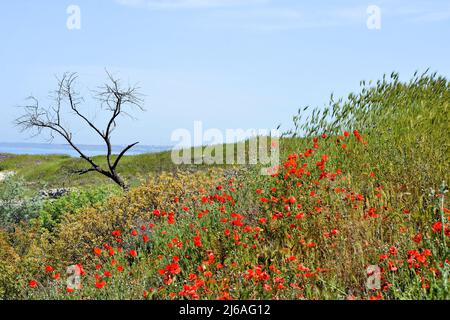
(65,149)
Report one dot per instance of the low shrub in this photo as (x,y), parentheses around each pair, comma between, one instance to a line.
(16,205)
(53,209)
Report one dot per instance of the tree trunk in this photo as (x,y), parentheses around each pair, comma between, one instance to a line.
(117,179)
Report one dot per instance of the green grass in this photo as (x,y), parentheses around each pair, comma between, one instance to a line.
(53,171)
(58,170)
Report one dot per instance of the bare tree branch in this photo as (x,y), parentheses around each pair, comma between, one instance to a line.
(84,171)
(119,157)
(113,98)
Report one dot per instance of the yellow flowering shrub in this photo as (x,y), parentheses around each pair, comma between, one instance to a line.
(22,253)
(8,259)
(78,233)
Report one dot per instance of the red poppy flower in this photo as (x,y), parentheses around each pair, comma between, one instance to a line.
(418,238)
(171,218)
(437,226)
(208,274)
(392,266)
(116,233)
(192,276)
(173,268)
(100,284)
(377,297)
(393,250)
(32,284)
(80,270)
(197,241)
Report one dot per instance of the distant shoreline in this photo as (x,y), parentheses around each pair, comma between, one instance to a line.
(21,148)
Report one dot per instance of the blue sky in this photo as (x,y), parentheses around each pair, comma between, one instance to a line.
(229,63)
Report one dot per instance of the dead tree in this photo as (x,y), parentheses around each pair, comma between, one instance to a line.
(113,99)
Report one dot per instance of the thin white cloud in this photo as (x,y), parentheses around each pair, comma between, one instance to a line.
(434,16)
(416,11)
(275,18)
(267,15)
(288,18)
(186,4)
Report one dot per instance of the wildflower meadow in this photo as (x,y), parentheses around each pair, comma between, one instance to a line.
(356,209)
